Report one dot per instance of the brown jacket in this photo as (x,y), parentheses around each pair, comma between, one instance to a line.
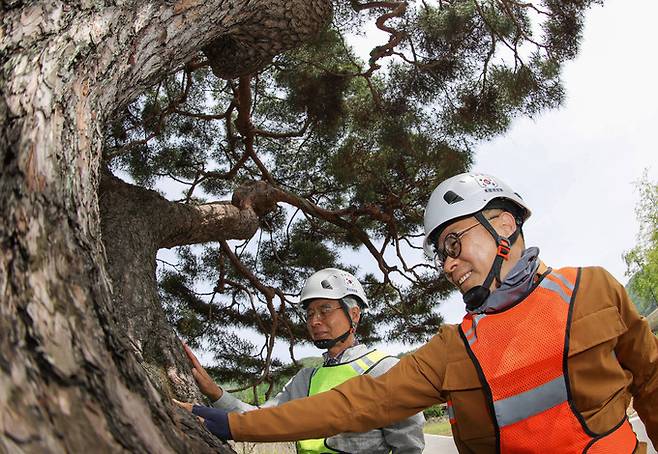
(613,356)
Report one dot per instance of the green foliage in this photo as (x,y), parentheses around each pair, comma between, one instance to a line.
(642,260)
(264,391)
(564,27)
(360,150)
(438,428)
(435,411)
(645,306)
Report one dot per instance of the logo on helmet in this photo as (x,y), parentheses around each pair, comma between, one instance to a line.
(486,181)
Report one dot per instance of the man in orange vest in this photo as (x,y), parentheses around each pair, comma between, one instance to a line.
(544,361)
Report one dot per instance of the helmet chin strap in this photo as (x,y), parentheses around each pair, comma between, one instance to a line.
(476,296)
(326,344)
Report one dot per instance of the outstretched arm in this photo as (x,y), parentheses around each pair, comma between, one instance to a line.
(295,388)
(358,405)
(406,436)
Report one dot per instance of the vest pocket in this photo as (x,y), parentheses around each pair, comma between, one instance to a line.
(597,379)
(472,419)
(594,329)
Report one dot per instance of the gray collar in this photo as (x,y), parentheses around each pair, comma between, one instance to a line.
(516,285)
(347,355)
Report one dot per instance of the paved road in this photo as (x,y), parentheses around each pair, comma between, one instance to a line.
(439,444)
(444,445)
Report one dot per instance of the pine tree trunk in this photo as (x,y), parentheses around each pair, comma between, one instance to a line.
(69,381)
(135,224)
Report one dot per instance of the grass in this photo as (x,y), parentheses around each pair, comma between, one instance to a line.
(439,427)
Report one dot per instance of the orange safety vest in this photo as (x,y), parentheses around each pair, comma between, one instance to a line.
(521,357)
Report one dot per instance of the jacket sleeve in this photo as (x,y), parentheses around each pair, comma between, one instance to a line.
(406,436)
(296,387)
(637,352)
(358,405)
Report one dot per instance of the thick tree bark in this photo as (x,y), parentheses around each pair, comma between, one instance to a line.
(135,224)
(69,381)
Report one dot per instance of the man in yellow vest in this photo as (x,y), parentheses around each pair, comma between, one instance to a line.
(333,301)
(546,360)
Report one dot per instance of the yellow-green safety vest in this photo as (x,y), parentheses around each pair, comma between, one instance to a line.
(326,377)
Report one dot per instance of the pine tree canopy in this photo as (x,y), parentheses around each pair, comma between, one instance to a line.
(343,151)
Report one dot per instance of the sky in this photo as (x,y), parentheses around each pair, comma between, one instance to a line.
(576,166)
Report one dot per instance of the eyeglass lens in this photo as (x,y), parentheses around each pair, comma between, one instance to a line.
(452,247)
(321,313)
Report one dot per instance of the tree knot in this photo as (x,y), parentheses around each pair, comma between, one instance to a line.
(259,196)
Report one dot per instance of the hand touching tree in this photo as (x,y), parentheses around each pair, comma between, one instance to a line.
(207,385)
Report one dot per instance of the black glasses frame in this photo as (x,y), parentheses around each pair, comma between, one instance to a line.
(321,313)
(452,245)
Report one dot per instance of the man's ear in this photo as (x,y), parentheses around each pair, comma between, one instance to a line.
(355,314)
(506,224)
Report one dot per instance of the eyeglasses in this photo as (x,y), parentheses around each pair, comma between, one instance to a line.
(452,245)
(322,312)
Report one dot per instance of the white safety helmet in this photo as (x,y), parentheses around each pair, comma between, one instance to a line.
(464,195)
(332,283)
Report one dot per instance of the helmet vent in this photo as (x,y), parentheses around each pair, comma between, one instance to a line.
(325,284)
(452,197)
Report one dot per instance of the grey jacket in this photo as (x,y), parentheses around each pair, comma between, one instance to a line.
(404,437)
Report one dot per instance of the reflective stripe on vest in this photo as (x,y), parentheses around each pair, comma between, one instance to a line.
(521,356)
(326,377)
(451,413)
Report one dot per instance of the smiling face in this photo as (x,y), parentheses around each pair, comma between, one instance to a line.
(478,250)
